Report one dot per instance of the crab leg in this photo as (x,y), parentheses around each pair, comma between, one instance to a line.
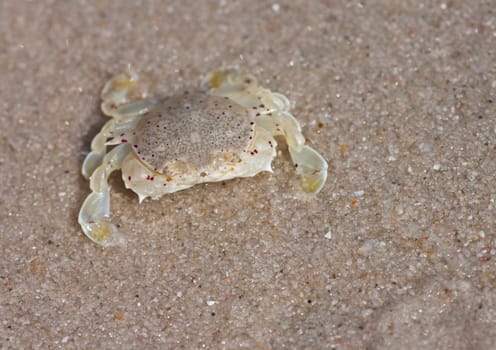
(98,149)
(309,164)
(225,82)
(273,115)
(242,88)
(311,167)
(120,90)
(118,95)
(96,208)
(112,129)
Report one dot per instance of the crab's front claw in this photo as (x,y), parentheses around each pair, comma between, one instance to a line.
(311,167)
(227,81)
(93,218)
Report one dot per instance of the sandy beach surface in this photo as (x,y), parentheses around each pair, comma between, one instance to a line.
(396,252)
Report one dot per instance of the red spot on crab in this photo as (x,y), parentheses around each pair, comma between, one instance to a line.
(129,178)
(123,140)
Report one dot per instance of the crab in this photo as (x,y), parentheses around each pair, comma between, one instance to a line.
(224,130)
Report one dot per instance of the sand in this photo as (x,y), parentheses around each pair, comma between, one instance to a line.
(396,252)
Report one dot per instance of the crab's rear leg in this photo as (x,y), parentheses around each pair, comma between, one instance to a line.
(309,164)
(94,213)
(311,167)
(226,81)
(120,90)
(272,114)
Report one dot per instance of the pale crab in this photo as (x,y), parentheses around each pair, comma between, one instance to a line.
(164,145)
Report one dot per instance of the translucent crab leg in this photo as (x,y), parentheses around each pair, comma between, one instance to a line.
(129,117)
(119,97)
(239,87)
(309,164)
(94,213)
(311,167)
(98,149)
(120,90)
(111,129)
(273,115)
(226,81)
